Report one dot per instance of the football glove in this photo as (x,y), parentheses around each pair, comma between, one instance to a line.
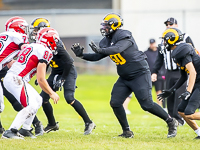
(78,51)
(58,85)
(95,48)
(184,96)
(164,94)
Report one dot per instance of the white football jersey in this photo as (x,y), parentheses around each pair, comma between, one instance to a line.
(28,59)
(9,46)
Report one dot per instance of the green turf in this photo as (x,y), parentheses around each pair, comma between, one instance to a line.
(94,93)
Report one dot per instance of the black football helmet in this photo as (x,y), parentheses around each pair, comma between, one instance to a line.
(36,25)
(111,22)
(172,36)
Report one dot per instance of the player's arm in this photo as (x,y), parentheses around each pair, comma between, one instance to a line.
(157,65)
(66,58)
(192,76)
(41,74)
(118,47)
(93,56)
(78,51)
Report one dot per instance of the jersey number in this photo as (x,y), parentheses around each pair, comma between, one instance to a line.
(2,38)
(118,59)
(25,53)
(53,64)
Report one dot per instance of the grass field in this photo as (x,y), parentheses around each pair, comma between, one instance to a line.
(94,93)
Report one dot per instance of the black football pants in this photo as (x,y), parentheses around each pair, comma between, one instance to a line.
(173,101)
(141,86)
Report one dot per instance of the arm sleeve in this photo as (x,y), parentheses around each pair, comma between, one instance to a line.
(180,81)
(93,56)
(119,47)
(66,58)
(158,63)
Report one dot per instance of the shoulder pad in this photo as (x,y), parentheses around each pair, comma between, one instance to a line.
(182,50)
(121,34)
(105,42)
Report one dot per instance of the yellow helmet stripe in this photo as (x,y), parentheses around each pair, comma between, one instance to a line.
(38,21)
(108,17)
(175,33)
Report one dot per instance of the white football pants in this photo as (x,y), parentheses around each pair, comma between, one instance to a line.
(27,96)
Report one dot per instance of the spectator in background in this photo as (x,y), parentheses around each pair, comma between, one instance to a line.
(152,53)
(125,104)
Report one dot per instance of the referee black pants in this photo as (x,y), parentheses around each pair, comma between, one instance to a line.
(173,101)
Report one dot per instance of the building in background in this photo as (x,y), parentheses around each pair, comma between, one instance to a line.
(79,21)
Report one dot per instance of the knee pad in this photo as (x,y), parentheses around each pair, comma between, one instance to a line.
(114,103)
(69,97)
(30,110)
(146,104)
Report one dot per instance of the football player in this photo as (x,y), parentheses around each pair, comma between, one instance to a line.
(16,33)
(133,71)
(188,61)
(33,58)
(64,75)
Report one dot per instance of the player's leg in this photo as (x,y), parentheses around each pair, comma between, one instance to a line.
(28,97)
(35,102)
(177,101)
(189,113)
(17,106)
(126,103)
(158,88)
(119,93)
(69,89)
(142,87)
(48,109)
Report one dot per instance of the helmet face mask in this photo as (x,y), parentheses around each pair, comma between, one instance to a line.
(17,24)
(48,37)
(111,22)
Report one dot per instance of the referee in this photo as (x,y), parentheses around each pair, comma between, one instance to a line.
(172,73)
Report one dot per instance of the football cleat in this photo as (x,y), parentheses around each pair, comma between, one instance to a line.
(38,129)
(50,128)
(127,134)
(89,127)
(172,128)
(197,138)
(12,134)
(27,133)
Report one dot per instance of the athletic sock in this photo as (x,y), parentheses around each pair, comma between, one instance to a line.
(197,131)
(48,110)
(0,125)
(158,111)
(81,111)
(35,120)
(121,116)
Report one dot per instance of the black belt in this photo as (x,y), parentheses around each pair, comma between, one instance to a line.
(173,70)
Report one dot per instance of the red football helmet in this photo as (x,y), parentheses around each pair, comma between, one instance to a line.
(17,24)
(49,37)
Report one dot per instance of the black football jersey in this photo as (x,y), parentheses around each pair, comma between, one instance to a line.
(123,51)
(61,61)
(183,54)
